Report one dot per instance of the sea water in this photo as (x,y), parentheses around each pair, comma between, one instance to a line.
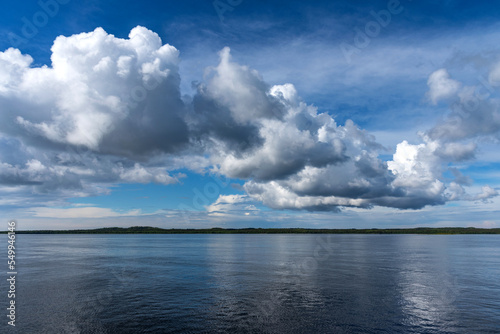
(272,283)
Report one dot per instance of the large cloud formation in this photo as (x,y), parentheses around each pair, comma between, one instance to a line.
(104,106)
(109,110)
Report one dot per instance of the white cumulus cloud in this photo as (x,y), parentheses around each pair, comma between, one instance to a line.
(441,86)
(108,110)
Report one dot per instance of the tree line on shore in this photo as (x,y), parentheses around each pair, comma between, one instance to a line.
(218,230)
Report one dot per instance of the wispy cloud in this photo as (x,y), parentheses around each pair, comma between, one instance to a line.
(81,213)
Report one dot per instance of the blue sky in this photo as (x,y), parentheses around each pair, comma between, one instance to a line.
(238,113)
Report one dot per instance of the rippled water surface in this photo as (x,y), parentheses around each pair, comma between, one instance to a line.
(257,284)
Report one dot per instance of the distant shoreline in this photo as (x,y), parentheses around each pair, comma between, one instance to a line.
(217,230)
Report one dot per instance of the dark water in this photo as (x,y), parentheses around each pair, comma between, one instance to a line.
(256,284)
